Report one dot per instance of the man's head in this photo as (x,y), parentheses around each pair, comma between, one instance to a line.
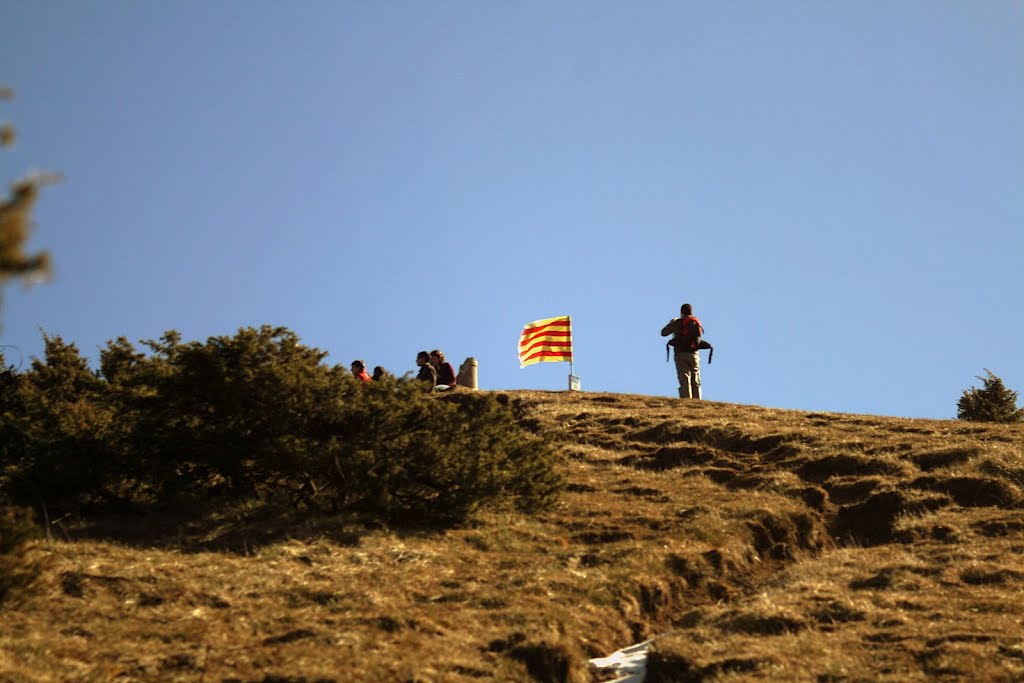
(685,310)
(422,358)
(358,366)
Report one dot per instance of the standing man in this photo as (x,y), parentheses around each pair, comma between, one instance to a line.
(687,330)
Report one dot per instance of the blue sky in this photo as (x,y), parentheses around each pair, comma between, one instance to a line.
(837,188)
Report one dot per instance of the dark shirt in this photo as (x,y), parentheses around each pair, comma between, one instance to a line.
(427,373)
(446,375)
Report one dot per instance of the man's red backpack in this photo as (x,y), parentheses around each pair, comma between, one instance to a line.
(689,338)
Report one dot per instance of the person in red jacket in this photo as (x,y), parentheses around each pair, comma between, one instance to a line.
(445,373)
(359,371)
(687,330)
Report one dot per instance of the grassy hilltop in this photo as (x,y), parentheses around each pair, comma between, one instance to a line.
(759,544)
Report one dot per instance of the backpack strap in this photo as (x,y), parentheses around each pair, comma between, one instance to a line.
(706,345)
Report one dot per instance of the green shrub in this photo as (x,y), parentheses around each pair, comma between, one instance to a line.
(259,415)
(406,455)
(992,403)
(225,412)
(55,425)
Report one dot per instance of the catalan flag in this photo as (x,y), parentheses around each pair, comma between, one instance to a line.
(546,341)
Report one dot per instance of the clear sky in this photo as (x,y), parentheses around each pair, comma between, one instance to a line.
(836,187)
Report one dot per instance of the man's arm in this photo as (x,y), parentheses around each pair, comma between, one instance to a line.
(670,328)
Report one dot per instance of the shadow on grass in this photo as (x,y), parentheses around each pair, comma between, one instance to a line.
(230,527)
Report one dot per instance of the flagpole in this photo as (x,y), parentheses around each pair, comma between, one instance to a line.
(572,375)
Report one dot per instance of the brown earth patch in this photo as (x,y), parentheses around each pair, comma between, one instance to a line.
(981,576)
(818,470)
(972,491)
(846,490)
(945,458)
(670,457)
(1000,527)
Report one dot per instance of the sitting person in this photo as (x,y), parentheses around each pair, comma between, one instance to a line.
(359,371)
(445,374)
(427,373)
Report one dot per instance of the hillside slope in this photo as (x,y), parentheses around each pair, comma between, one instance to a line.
(758,544)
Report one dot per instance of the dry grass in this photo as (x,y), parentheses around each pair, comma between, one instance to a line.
(759,544)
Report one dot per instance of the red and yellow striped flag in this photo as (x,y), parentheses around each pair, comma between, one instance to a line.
(546,341)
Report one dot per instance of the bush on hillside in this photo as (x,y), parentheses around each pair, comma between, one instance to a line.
(222,414)
(411,456)
(992,403)
(10,384)
(55,428)
(258,415)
